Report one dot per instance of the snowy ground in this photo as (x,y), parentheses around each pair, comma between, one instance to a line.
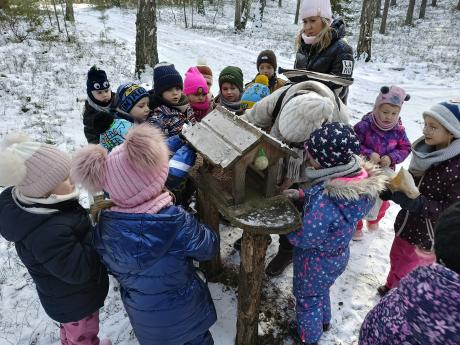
(42,89)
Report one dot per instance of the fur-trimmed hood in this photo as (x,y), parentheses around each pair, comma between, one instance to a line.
(353,189)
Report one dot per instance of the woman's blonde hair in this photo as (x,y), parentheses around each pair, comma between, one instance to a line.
(324,37)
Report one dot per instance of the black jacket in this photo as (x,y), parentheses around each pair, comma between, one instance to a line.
(336,59)
(89,113)
(56,249)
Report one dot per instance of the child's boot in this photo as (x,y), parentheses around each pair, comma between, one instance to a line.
(292,329)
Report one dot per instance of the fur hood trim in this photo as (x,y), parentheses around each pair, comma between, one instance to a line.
(355,189)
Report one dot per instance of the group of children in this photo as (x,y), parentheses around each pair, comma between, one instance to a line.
(148,243)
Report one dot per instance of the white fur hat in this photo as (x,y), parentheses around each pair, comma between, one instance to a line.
(34,168)
(302,114)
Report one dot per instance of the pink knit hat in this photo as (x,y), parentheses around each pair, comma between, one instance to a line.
(316,8)
(133,174)
(194,80)
(391,95)
(34,168)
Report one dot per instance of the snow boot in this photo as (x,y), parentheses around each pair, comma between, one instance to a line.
(279,263)
(292,329)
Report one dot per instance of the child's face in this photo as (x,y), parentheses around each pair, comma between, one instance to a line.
(312,26)
(267,70)
(64,188)
(103,96)
(388,113)
(230,92)
(172,95)
(436,134)
(197,97)
(141,110)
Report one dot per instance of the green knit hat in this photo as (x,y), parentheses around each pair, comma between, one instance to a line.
(233,75)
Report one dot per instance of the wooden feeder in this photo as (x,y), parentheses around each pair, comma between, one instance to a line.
(229,184)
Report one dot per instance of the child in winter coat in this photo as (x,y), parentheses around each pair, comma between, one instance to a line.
(147,243)
(171,108)
(267,65)
(383,139)
(133,103)
(101,99)
(52,236)
(230,89)
(321,44)
(196,89)
(206,71)
(435,166)
(343,190)
(254,93)
(425,308)
(112,131)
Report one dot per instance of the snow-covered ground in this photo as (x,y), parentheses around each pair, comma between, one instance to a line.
(42,89)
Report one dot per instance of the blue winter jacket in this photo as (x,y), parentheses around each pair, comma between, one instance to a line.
(151,256)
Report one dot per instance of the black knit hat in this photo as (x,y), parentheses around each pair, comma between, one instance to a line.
(97,80)
(267,56)
(165,76)
(233,75)
(333,144)
(447,238)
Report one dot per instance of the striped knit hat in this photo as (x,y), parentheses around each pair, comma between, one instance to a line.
(34,168)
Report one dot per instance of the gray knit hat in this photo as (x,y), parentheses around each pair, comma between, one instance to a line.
(448,115)
(34,168)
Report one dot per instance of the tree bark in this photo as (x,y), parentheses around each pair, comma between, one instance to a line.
(246,13)
(434,3)
(280,3)
(422,9)
(185,13)
(4,4)
(378,10)
(365,33)
(383,24)
(393,3)
(200,7)
(69,16)
(238,7)
(410,13)
(57,18)
(458,6)
(297,10)
(146,36)
(252,265)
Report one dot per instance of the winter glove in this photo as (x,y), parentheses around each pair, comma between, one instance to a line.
(406,203)
(386,195)
(385,161)
(374,158)
(291,194)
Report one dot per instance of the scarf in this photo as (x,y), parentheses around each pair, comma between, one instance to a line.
(425,156)
(51,204)
(310,40)
(151,206)
(350,169)
(98,106)
(200,110)
(232,106)
(381,126)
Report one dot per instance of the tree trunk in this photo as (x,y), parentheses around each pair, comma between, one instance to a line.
(365,33)
(378,10)
(422,9)
(393,3)
(146,36)
(4,4)
(252,265)
(200,7)
(57,18)
(238,4)
(383,24)
(259,21)
(410,13)
(297,9)
(246,9)
(458,6)
(434,3)
(280,3)
(69,11)
(185,13)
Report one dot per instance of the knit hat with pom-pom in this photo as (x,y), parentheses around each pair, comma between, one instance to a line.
(35,169)
(302,114)
(133,174)
(205,70)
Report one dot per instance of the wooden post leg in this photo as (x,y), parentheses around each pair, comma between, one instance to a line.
(253,249)
(209,215)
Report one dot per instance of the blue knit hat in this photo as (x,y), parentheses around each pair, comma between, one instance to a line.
(165,76)
(255,92)
(97,80)
(128,95)
(333,144)
(448,115)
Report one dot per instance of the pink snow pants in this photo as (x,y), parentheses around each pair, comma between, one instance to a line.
(385,206)
(83,332)
(403,260)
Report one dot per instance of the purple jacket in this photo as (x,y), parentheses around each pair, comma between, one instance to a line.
(393,143)
(424,310)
